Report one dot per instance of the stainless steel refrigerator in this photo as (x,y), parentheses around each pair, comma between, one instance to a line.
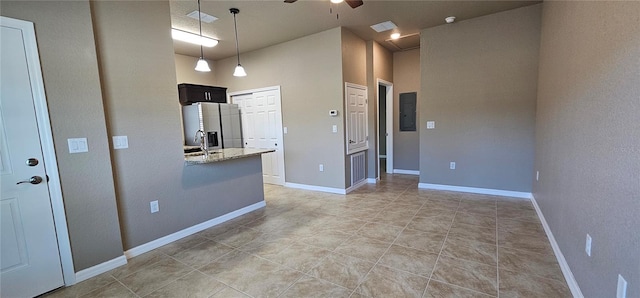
(219,121)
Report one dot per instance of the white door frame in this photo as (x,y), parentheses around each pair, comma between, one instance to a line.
(280,132)
(46,141)
(388,124)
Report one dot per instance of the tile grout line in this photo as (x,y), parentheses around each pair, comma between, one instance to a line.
(497,256)
(441,249)
(390,245)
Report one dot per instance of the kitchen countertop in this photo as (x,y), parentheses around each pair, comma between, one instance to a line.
(219,155)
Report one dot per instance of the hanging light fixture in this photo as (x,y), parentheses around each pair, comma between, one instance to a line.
(239,71)
(202,64)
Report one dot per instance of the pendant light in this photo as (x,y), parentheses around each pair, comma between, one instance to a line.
(239,71)
(202,64)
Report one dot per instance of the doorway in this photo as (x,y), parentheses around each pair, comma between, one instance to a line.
(36,255)
(261,121)
(385,126)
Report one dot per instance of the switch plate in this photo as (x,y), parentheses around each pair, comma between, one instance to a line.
(537,175)
(335,128)
(622,287)
(78,145)
(587,247)
(285,130)
(431,124)
(321,168)
(452,165)
(154,206)
(120,142)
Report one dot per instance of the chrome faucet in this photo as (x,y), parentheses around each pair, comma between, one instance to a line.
(204,146)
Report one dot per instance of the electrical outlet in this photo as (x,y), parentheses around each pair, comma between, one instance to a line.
(321,168)
(154,206)
(120,142)
(587,247)
(537,175)
(622,287)
(431,124)
(285,130)
(452,165)
(335,128)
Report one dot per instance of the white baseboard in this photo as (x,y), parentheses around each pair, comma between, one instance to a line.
(316,188)
(100,268)
(138,250)
(354,187)
(408,172)
(372,180)
(564,266)
(484,191)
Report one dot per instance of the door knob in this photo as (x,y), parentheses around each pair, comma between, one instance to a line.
(32,180)
(32,162)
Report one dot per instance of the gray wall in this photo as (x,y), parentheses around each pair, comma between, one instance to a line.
(141,99)
(588,139)
(309,71)
(72,85)
(379,66)
(406,144)
(479,80)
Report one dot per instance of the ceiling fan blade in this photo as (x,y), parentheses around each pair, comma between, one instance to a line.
(290,1)
(354,3)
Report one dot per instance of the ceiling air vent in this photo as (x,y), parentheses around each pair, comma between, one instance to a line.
(207,18)
(384,26)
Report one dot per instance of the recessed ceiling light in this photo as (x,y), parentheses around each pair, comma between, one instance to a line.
(337,1)
(384,26)
(207,18)
(395,35)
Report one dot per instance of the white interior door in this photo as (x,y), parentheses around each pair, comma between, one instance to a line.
(30,263)
(356,122)
(262,128)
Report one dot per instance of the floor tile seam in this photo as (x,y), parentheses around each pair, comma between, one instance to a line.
(164,284)
(143,267)
(562,280)
(125,286)
(444,254)
(440,252)
(385,252)
(91,290)
(497,256)
(553,256)
(291,285)
(224,283)
(524,249)
(461,287)
(474,226)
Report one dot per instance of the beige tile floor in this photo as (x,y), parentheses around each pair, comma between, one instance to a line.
(385,240)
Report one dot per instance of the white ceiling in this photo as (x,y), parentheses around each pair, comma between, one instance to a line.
(262,23)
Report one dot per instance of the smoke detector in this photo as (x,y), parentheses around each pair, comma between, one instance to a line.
(450,19)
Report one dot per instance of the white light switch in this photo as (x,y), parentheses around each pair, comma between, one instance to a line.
(78,145)
(335,128)
(431,124)
(120,142)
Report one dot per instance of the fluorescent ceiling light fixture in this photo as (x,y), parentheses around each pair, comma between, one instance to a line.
(193,38)
(207,18)
(337,1)
(384,26)
(395,35)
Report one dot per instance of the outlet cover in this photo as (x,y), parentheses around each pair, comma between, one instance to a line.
(154,206)
(622,287)
(431,124)
(321,168)
(334,128)
(587,247)
(285,130)
(452,165)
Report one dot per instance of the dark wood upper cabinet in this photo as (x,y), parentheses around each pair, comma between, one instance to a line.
(190,93)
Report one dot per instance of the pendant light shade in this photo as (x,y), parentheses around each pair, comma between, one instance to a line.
(239,71)
(202,64)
